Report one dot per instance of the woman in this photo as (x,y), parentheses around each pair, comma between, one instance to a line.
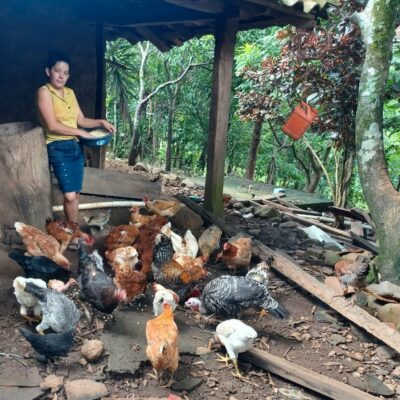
(62,120)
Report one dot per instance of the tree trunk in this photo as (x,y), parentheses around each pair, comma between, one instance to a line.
(377,23)
(171,115)
(255,144)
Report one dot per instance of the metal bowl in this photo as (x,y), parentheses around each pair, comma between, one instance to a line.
(97,141)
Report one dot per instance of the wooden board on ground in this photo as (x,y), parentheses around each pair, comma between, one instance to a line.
(122,185)
(296,373)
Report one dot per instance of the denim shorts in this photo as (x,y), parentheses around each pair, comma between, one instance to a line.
(66,158)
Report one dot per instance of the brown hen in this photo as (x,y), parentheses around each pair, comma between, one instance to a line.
(352,273)
(130,280)
(163,208)
(141,216)
(65,231)
(236,253)
(162,343)
(39,244)
(121,236)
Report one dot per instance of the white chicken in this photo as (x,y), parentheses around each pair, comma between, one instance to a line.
(187,245)
(236,337)
(163,296)
(27,300)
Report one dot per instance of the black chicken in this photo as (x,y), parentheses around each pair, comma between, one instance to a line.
(39,267)
(50,345)
(229,295)
(97,288)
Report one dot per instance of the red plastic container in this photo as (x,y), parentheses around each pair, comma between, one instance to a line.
(299,121)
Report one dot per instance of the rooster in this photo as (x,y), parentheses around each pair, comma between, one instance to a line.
(163,296)
(236,337)
(236,253)
(229,295)
(162,343)
(65,231)
(352,273)
(97,288)
(39,244)
(163,208)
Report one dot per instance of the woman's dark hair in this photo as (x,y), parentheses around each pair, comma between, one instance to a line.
(54,57)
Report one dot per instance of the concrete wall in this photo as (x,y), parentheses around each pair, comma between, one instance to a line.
(28,30)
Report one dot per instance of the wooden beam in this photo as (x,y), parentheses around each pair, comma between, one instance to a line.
(284,9)
(207,6)
(154,38)
(364,243)
(225,38)
(288,267)
(304,377)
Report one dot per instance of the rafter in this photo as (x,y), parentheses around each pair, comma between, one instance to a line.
(154,38)
(207,6)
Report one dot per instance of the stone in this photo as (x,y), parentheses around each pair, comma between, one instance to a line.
(201,351)
(351,365)
(92,349)
(288,225)
(331,257)
(389,313)
(357,383)
(350,256)
(170,176)
(85,389)
(356,356)
(385,353)
(188,384)
(139,167)
(324,316)
(328,271)
(336,339)
(188,183)
(361,298)
(386,289)
(396,372)
(53,382)
(186,218)
(267,212)
(361,334)
(375,386)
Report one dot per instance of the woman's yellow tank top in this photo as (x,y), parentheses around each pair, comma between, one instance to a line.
(65,110)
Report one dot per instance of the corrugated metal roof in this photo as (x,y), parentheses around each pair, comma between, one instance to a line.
(309,5)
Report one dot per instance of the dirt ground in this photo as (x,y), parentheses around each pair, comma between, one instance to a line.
(313,337)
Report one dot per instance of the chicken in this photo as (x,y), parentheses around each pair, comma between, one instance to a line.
(39,267)
(209,240)
(352,273)
(226,198)
(59,312)
(121,236)
(50,345)
(162,343)
(65,231)
(187,245)
(193,268)
(236,337)
(259,273)
(163,296)
(39,244)
(229,295)
(97,288)
(141,216)
(163,208)
(147,235)
(236,253)
(27,300)
(122,256)
(170,273)
(60,286)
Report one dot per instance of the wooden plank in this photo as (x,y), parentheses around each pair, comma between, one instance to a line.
(288,267)
(117,184)
(225,37)
(364,243)
(296,373)
(208,6)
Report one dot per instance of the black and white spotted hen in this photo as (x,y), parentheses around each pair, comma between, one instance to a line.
(229,295)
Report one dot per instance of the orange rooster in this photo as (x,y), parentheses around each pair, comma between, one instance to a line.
(236,253)
(162,343)
(65,231)
(141,216)
(121,236)
(39,244)
(164,208)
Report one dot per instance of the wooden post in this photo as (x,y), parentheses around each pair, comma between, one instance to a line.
(225,37)
(96,157)
(25,193)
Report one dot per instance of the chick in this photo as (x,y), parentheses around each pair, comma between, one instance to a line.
(236,337)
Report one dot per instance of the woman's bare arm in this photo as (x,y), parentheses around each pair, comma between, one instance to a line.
(94,123)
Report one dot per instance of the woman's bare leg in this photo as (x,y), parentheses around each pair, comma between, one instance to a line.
(71,204)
